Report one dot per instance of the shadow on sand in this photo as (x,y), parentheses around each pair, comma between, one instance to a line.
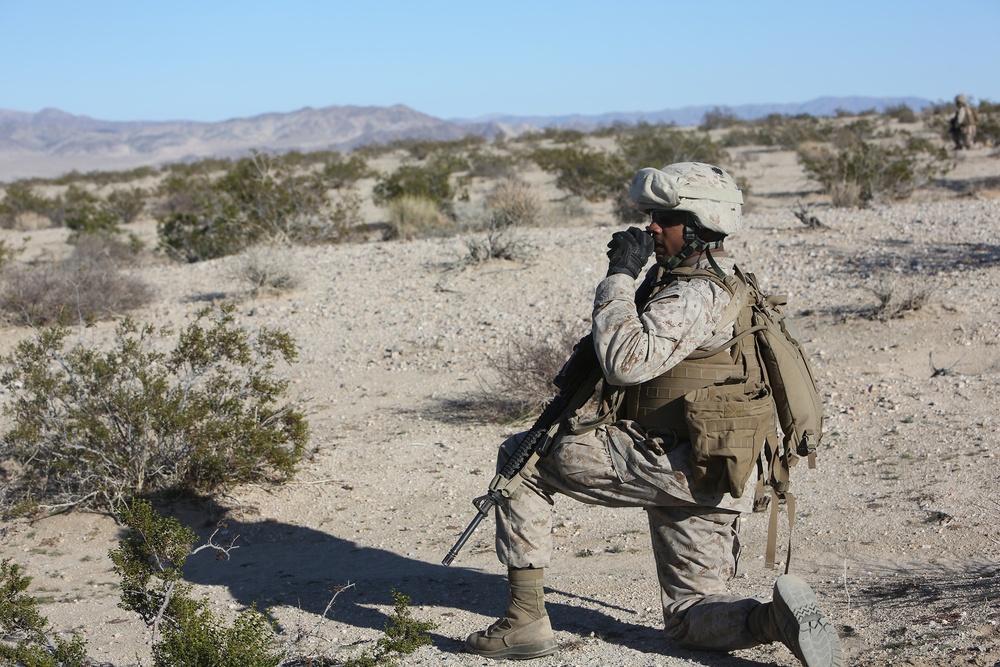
(283,564)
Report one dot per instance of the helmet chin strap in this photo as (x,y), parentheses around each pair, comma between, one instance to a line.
(693,245)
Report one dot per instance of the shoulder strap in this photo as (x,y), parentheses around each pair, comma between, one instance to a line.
(735,286)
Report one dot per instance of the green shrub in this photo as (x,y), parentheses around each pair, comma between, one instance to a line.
(19,198)
(92,428)
(186,633)
(431,182)
(340,173)
(583,171)
(126,205)
(860,172)
(780,131)
(257,199)
(988,126)
(414,216)
(718,118)
(657,145)
(484,164)
(83,213)
(402,636)
(25,638)
(901,112)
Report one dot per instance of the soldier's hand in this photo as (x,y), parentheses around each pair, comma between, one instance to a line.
(628,251)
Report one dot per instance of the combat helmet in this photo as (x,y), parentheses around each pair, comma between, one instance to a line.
(707,192)
(961,100)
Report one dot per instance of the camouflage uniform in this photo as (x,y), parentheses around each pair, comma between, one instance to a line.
(694,533)
(963,124)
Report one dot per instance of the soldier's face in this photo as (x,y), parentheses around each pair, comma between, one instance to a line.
(668,233)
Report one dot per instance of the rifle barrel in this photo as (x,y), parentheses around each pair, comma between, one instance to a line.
(483,505)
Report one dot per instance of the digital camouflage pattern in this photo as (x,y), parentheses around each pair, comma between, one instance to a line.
(694,533)
(963,124)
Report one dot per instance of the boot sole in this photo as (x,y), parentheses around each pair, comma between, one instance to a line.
(816,640)
(520,651)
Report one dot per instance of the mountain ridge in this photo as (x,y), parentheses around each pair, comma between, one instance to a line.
(52,142)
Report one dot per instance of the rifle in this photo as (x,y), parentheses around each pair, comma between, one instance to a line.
(576,382)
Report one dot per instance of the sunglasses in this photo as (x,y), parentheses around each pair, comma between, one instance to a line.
(669,218)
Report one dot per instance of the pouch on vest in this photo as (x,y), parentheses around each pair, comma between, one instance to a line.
(727,427)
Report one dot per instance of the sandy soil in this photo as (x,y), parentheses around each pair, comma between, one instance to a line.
(897,526)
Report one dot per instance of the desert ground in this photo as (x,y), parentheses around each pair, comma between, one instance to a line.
(896,527)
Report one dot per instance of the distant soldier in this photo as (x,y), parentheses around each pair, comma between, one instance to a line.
(963,124)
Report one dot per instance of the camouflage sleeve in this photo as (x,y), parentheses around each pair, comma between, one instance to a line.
(633,348)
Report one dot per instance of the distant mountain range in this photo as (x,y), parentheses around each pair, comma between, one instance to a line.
(52,142)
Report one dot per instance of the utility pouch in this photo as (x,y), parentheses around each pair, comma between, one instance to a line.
(728,427)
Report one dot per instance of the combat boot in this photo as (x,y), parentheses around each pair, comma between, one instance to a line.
(523,631)
(794,619)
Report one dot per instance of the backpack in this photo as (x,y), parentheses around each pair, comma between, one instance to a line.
(798,404)
(787,372)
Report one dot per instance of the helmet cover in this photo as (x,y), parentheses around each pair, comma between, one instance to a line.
(706,191)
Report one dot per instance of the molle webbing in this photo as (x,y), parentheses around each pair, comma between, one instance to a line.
(659,404)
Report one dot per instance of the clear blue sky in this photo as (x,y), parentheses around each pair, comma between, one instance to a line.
(212,60)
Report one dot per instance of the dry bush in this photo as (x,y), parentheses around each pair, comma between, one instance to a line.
(266,268)
(70,290)
(521,376)
(413,216)
(897,295)
(513,203)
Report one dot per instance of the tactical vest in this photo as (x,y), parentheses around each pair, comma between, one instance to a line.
(658,404)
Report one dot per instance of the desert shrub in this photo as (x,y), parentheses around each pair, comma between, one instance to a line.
(414,216)
(520,381)
(780,131)
(83,212)
(257,199)
(897,294)
(265,199)
(184,194)
(860,172)
(718,118)
(202,167)
(988,126)
(186,633)
(431,182)
(19,198)
(266,268)
(92,428)
(657,145)
(583,171)
(402,635)
(7,253)
(485,164)
(126,205)
(88,285)
(510,204)
(513,203)
(104,177)
(901,112)
(25,636)
(339,172)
